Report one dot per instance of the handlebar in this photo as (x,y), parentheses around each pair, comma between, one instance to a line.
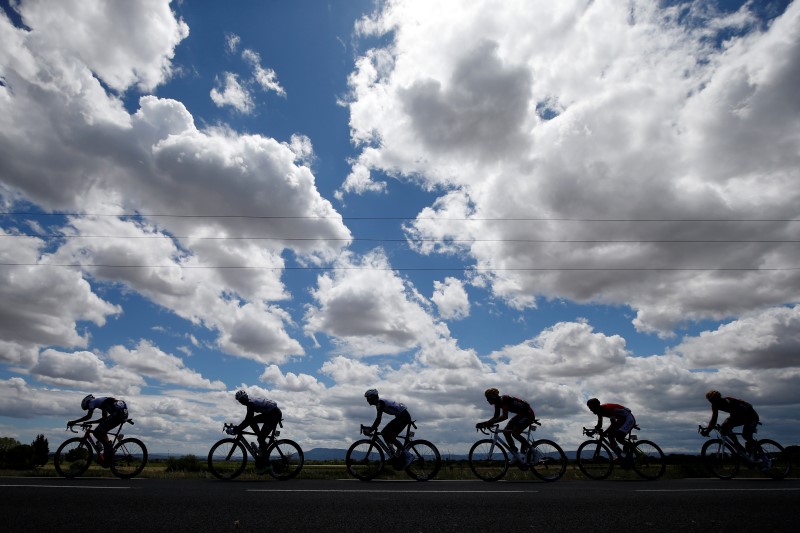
(591,432)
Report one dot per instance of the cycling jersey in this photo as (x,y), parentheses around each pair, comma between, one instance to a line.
(621,417)
(107,405)
(390,407)
(262,405)
(513,404)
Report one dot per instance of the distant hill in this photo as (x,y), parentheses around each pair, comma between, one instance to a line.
(325,454)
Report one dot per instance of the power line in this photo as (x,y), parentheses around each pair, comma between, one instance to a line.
(320,217)
(411,239)
(417,269)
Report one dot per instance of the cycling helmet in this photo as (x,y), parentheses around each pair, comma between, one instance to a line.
(85,402)
(371,393)
(713,395)
(593,404)
(491,393)
(241,394)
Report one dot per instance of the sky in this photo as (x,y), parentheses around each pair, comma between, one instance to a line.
(308,199)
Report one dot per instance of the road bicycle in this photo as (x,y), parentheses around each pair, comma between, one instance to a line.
(722,456)
(76,454)
(596,460)
(366,458)
(227,458)
(489,458)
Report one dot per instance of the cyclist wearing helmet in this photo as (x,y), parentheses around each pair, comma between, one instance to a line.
(523,417)
(113,413)
(391,430)
(621,422)
(741,414)
(259,411)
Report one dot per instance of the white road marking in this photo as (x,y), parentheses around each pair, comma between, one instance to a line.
(104,487)
(719,490)
(399,491)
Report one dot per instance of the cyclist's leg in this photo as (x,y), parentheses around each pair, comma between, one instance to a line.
(726,428)
(748,429)
(393,429)
(269,423)
(516,426)
(101,433)
(624,429)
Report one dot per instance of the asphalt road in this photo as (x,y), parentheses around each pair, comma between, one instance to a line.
(196,505)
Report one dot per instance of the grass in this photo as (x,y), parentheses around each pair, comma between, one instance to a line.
(451,470)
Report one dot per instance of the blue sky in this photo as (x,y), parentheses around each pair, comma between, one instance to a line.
(309,199)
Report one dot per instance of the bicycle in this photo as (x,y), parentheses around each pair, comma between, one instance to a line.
(366,458)
(227,458)
(488,458)
(722,456)
(76,454)
(596,460)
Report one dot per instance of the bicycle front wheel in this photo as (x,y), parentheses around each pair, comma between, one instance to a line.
(773,461)
(547,460)
(488,460)
(595,459)
(364,460)
(720,459)
(426,462)
(73,457)
(129,459)
(285,459)
(648,460)
(227,459)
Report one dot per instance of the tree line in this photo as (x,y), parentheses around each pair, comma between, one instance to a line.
(17,456)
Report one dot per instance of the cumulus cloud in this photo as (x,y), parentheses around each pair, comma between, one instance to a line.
(230,92)
(602,111)
(451,298)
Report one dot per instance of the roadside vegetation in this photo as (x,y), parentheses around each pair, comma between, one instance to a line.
(191,466)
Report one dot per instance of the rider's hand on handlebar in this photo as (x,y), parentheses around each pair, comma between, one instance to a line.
(705,431)
(230,431)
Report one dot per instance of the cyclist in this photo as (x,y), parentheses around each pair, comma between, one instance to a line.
(523,417)
(741,414)
(113,413)
(263,411)
(392,429)
(621,422)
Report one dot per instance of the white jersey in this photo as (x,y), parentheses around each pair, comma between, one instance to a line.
(393,408)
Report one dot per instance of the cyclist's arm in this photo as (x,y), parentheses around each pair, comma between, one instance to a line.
(498,416)
(247,418)
(599,424)
(85,417)
(377,422)
(714,414)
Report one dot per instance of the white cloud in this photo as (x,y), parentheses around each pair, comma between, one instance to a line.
(229,92)
(570,112)
(146,359)
(451,298)
(43,304)
(266,78)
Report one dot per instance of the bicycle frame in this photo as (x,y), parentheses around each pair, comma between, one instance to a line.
(88,434)
(378,439)
(734,444)
(251,448)
(495,432)
(602,438)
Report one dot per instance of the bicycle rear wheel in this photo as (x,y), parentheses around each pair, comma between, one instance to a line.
(648,460)
(720,459)
(488,460)
(547,460)
(73,457)
(364,460)
(129,459)
(426,462)
(285,459)
(227,459)
(773,461)
(595,459)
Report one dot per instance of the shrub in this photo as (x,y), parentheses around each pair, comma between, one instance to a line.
(186,463)
(20,457)
(41,450)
